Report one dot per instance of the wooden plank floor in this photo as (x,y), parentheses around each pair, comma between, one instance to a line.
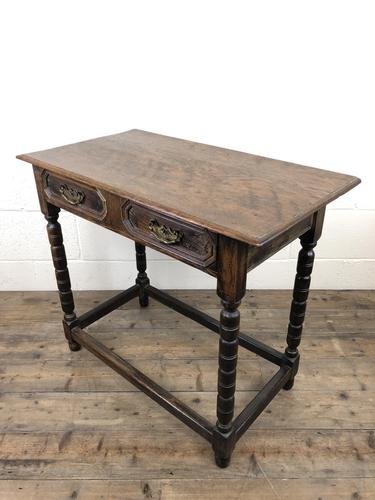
(71,428)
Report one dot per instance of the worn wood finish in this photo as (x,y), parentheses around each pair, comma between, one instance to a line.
(189,372)
(337,308)
(65,193)
(133,454)
(214,325)
(173,344)
(261,323)
(138,184)
(144,383)
(255,198)
(196,248)
(96,412)
(264,397)
(126,448)
(202,489)
(256,255)
(192,242)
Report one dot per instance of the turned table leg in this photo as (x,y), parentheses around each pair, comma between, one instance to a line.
(228,347)
(301,290)
(142,278)
(62,273)
(231,288)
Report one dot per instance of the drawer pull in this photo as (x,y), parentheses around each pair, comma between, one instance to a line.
(71,195)
(165,234)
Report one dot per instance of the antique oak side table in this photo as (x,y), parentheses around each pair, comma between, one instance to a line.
(221,211)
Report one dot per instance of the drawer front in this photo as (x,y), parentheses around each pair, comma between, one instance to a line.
(174,237)
(74,196)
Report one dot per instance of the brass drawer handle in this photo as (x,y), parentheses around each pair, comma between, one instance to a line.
(165,234)
(71,195)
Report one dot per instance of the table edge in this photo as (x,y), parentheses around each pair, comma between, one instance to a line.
(217,228)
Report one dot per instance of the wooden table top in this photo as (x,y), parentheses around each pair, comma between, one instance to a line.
(247,197)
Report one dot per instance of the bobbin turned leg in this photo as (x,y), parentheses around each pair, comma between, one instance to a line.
(142,278)
(230,288)
(62,273)
(301,291)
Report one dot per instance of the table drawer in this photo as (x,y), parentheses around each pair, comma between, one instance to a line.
(172,236)
(74,196)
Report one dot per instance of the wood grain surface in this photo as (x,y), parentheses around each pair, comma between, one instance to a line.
(243,196)
(72,428)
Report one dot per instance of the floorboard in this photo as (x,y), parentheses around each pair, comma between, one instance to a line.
(72,428)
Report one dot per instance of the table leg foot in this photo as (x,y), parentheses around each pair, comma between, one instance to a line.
(222,462)
(289,385)
(73,346)
(223,445)
(143,300)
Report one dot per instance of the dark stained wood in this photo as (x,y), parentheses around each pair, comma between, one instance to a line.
(246,197)
(226,433)
(148,386)
(241,210)
(301,291)
(214,325)
(66,194)
(108,306)
(231,287)
(142,278)
(40,189)
(257,255)
(195,243)
(62,273)
(264,397)
(231,269)
(197,247)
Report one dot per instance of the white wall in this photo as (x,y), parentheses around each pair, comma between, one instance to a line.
(292,80)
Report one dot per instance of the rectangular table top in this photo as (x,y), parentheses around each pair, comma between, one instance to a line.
(247,197)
